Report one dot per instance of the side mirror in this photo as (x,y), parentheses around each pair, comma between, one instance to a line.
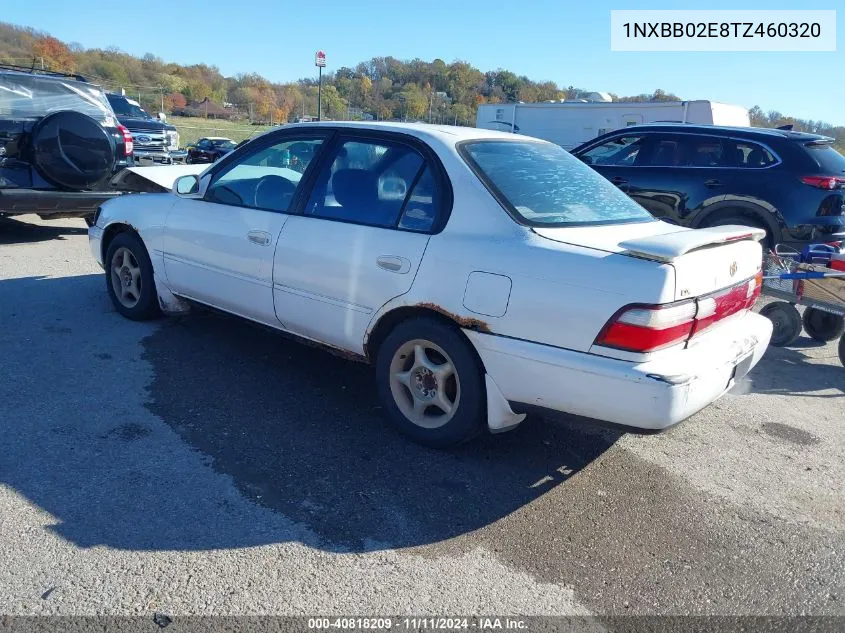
(187,185)
(162,117)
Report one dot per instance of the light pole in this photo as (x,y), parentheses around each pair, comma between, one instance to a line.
(320,63)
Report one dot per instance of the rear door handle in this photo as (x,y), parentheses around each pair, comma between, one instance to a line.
(712,182)
(394,263)
(262,238)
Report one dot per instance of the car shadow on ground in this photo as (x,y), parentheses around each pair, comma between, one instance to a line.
(14,231)
(301,431)
(790,370)
(296,430)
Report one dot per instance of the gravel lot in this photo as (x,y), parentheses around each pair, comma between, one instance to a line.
(204,465)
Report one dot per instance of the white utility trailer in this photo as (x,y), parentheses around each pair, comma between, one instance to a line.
(570,123)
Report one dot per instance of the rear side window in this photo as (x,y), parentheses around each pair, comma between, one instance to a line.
(830,161)
(748,155)
(542,184)
(378,183)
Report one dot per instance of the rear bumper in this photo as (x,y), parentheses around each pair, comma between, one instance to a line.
(651,395)
(52,203)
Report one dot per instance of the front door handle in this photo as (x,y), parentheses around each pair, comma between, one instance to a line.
(394,264)
(262,238)
(712,182)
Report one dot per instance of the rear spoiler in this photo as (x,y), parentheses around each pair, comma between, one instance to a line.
(670,246)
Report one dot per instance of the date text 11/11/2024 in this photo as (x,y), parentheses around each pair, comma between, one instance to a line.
(418,623)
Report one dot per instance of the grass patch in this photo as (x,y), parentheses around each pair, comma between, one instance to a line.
(192,129)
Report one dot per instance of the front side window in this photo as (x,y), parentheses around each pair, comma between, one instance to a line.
(619,151)
(370,182)
(544,185)
(263,179)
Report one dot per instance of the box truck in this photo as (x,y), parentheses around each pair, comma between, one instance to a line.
(570,123)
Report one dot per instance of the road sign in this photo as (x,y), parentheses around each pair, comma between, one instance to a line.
(320,59)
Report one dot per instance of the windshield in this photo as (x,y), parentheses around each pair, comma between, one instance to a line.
(223,143)
(25,96)
(122,107)
(544,185)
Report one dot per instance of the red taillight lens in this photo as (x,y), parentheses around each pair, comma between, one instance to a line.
(128,145)
(824,182)
(648,328)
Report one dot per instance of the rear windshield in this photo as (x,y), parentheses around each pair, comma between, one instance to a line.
(34,96)
(542,184)
(831,161)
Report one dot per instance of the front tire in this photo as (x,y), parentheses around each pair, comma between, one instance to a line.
(823,326)
(129,278)
(431,384)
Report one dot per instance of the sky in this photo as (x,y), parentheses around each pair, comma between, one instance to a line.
(560,40)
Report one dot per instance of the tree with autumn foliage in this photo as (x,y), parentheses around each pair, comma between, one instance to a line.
(55,54)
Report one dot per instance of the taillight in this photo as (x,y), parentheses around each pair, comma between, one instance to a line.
(648,328)
(128,145)
(824,182)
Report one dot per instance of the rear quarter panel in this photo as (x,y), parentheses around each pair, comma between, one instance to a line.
(561,294)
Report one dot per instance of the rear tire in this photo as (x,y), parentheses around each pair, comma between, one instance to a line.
(129,278)
(766,242)
(431,384)
(786,322)
(823,326)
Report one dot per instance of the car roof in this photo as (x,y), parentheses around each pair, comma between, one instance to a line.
(447,134)
(725,130)
(50,76)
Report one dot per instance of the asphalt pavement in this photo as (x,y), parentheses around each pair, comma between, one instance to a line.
(203,465)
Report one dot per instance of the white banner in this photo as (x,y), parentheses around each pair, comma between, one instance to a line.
(722,30)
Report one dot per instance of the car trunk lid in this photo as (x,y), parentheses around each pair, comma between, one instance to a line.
(704,260)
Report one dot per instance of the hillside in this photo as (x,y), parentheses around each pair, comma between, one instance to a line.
(381,88)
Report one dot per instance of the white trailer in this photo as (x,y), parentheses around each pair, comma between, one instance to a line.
(570,123)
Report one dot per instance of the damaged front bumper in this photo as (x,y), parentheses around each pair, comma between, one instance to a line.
(651,395)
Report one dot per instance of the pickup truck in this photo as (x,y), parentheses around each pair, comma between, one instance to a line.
(154,139)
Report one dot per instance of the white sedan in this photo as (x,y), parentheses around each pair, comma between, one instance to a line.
(484,274)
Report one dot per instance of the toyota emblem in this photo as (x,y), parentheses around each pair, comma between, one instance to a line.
(733,269)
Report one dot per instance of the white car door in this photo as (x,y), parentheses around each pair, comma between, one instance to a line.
(218,248)
(358,242)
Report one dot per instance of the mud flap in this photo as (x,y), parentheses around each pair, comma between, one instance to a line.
(500,416)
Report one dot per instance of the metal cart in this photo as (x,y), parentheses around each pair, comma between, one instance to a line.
(819,288)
